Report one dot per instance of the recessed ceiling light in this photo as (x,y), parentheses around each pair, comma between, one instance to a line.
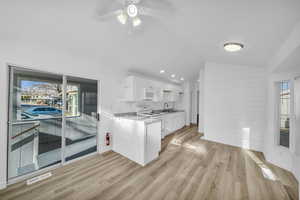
(162,71)
(182,79)
(233,46)
(173,75)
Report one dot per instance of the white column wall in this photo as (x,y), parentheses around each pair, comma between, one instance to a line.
(201,100)
(194,91)
(235,105)
(187,102)
(3,123)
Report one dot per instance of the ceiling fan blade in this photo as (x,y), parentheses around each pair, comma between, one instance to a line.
(108,6)
(126,2)
(105,16)
(158,4)
(150,12)
(123,2)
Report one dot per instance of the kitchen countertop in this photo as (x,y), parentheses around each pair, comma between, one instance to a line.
(134,116)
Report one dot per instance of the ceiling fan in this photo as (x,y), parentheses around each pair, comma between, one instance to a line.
(132,12)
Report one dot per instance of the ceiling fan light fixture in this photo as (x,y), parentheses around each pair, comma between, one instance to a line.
(233,46)
(136,22)
(122,18)
(132,10)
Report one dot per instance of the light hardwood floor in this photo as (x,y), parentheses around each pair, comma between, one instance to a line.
(188,168)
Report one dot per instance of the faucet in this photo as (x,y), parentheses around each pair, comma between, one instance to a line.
(166,105)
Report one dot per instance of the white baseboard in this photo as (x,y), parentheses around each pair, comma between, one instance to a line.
(2,185)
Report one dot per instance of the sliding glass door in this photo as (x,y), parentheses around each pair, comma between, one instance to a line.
(52,119)
(35,121)
(81,117)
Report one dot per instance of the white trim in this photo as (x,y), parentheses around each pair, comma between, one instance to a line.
(276,113)
(36,69)
(3,185)
(291,147)
(297,116)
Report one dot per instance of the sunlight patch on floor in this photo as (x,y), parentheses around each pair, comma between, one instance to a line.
(199,149)
(266,171)
(176,142)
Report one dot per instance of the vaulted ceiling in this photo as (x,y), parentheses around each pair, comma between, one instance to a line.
(179,43)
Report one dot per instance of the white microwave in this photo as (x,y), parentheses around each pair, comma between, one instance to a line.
(149,94)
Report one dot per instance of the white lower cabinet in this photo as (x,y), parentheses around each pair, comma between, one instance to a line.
(153,141)
(140,140)
(173,122)
(137,140)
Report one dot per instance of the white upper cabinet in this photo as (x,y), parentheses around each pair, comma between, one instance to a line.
(128,89)
(141,89)
(172,93)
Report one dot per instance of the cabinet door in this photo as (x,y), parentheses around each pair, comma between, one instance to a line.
(153,141)
(182,117)
(140,86)
(128,93)
(168,126)
(158,96)
(173,123)
(177,122)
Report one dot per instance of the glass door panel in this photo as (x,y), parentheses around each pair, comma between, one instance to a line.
(35,121)
(81,117)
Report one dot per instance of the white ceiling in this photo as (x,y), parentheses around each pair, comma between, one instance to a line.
(179,43)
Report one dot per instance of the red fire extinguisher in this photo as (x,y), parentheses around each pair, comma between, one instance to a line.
(107,139)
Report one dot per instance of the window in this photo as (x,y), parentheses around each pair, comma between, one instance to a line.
(284,113)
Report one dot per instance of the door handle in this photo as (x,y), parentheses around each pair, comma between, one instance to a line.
(98,117)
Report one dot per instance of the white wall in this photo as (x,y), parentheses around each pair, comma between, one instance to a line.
(201,100)
(3,124)
(235,105)
(296,156)
(194,100)
(187,102)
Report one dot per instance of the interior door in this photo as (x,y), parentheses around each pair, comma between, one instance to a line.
(80,117)
(35,121)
